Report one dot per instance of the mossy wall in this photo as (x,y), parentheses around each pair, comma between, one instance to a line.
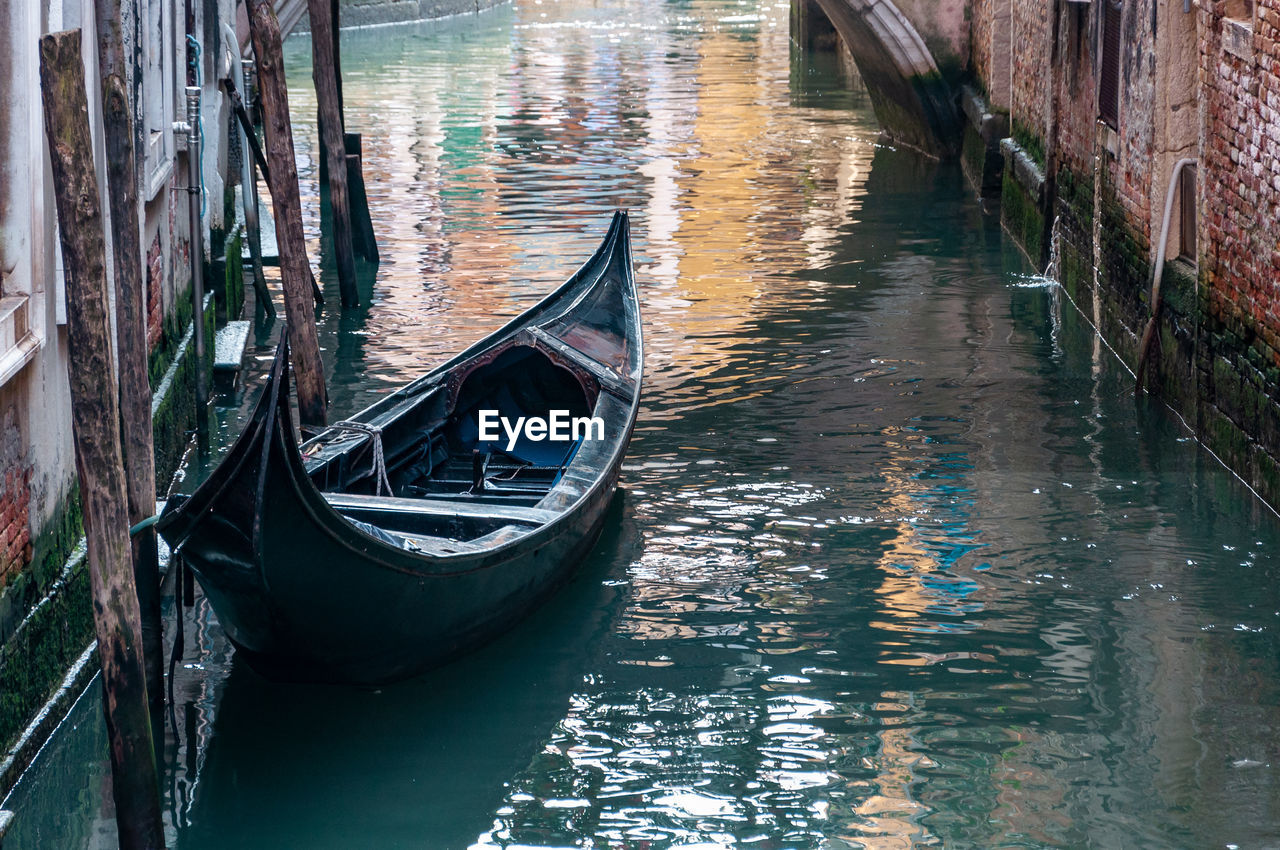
(1022,217)
(173,414)
(35,653)
(233,277)
(1028,140)
(982,164)
(1219,374)
(46,619)
(225,275)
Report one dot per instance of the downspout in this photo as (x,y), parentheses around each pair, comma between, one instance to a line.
(1149,334)
(194,198)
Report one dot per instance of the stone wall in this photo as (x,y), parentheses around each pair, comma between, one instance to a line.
(1202,85)
(45,615)
(1239,230)
(981,50)
(1029,94)
(1241,166)
(1077,84)
(155,292)
(944,27)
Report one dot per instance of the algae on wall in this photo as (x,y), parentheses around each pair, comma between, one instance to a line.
(46,620)
(36,652)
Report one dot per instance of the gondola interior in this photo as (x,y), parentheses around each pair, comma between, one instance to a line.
(434,454)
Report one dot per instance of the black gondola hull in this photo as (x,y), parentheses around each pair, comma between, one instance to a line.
(309,584)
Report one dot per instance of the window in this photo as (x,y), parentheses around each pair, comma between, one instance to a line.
(1109,76)
(157,95)
(17,341)
(1187,214)
(22,210)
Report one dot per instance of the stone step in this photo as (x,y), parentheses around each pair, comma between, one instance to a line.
(228,351)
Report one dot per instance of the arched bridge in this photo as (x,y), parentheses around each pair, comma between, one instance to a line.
(911,55)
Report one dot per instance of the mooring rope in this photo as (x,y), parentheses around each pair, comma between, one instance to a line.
(145,524)
(379,461)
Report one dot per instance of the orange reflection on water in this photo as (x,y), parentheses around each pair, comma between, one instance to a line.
(494,150)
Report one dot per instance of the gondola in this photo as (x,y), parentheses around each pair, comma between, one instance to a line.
(402,537)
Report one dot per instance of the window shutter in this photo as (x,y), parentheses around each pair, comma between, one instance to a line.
(1109,78)
(1187,214)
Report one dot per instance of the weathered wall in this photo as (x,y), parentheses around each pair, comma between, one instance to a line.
(36,464)
(1241,166)
(45,619)
(1029,90)
(1201,85)
(989,54)
(15,505)
(1240,236)
(944,26)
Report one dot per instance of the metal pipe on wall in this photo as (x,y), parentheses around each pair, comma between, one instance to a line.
(194,193)
(1148,334)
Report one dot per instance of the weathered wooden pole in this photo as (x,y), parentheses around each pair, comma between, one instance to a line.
(336,18)
(295,271)
(324,73)
(131,339)
(249,186)
(95,420)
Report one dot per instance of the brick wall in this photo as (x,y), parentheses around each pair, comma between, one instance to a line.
(990,59)
(1240,187)
(1077,84)
(981,24)
(1103,176)
(1239,239)
(15,498)
(1190,85)
(155,290)
(1029,96)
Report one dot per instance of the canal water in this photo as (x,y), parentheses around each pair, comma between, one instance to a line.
(896,563)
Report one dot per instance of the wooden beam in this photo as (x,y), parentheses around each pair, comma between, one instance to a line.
(361,222)
(295,269)
(95,421)
(324,73)
(131,339)
(249,188)
(251,137)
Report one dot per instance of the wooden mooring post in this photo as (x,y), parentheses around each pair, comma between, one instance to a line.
(362,238)
(361,222)
(324,73)
(96,432)
(295,270)
(131,340)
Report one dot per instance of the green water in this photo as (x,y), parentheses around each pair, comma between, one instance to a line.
(896,563)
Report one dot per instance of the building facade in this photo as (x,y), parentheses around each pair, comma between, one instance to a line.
(1117,111)
(45,621)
